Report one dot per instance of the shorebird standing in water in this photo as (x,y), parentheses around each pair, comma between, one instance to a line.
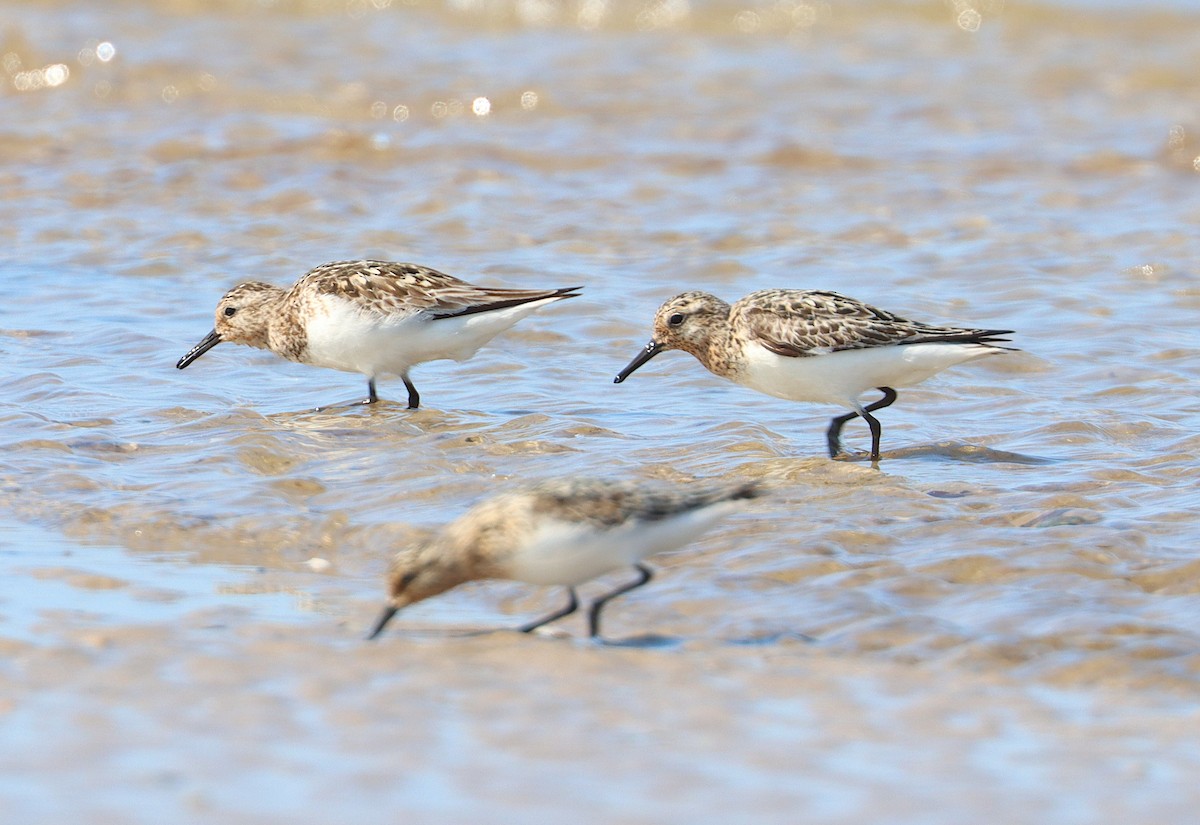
(371,317)
(809,345)
(562,532)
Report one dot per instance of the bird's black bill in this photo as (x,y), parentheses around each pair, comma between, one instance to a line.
(210,341)
(384,618)
(652,349)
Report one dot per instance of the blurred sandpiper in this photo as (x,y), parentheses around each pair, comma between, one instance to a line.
(562,532)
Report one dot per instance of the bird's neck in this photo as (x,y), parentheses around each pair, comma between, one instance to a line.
(285,332)
(717,351)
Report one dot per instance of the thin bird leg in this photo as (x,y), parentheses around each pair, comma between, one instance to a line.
(370,399)
(371,396)
(594,613)
(835,426)
(414,398)
(889,395)
(876,431)
(571,607)
(833,434)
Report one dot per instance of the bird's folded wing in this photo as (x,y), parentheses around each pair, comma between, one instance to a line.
(817,323)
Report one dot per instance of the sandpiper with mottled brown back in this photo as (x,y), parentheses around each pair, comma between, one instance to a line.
(811,345)
(371,317)
(561,532)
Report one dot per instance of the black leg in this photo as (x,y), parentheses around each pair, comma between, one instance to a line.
(876,431)
(571,607)
(414,398)
(835,426)
(889,395)
(833,434)
(370,399)
(594,613)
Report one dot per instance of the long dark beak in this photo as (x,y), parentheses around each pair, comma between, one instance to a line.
(210,341)
(652,349)
(384,618)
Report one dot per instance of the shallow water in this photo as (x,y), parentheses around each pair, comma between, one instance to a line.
(1001,619)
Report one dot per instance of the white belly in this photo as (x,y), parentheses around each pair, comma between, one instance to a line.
(841,377)
(570,553)
(342,337)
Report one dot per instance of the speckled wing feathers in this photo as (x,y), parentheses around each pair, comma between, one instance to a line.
(401,288)
(798,323)
(608,504)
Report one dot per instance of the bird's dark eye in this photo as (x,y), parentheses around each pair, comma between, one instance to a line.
(229,311)
(406,580)
(675,320)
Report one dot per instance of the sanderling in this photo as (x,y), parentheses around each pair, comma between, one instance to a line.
(809,345)
(371,317)
(562,532)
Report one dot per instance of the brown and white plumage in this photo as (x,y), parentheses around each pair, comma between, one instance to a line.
(371,317)
(560,532)
(794,322)
(812,345)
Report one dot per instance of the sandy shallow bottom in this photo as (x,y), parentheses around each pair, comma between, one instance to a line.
(232,693)
(227,709)
(999,624)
